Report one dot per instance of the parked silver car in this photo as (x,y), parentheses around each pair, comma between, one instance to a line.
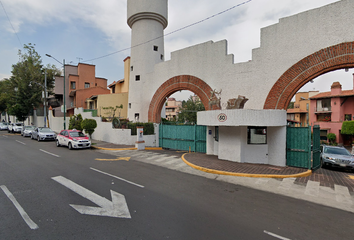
(27,130)
(43,133)
(3,125)
(337,157)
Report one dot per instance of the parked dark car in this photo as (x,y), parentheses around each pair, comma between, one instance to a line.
(336,157)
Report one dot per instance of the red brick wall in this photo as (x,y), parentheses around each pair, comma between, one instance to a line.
(182,82)
(326,60)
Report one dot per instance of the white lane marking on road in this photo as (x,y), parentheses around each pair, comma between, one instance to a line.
(276,236)
(122,179)
(116,208)
(22,212)
(21,142)
(49,153)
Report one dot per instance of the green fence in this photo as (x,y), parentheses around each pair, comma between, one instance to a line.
(93,111)
(298,147)
(316,148)
(301,150)
(183,137)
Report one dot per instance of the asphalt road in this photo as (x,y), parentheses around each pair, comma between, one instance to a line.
(41,185)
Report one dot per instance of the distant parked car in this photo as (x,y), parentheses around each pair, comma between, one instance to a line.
(337,157)
(15,127)
(3,125)
(73,139)
(43,133)
(27,130)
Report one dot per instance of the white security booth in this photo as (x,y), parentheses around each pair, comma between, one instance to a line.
(246,135)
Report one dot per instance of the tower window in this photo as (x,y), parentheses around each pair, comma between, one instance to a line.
(137,77)
(136,116)
(161,56)
(87,85)
(131,68)
(130,105)
(156,48)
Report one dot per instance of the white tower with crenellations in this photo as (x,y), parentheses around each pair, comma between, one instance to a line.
(147,19)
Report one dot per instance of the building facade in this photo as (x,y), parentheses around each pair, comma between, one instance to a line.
(81,83)
(172,109)
(299,115)
(330,109)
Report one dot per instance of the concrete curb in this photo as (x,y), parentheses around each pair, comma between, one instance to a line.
(121,149)
(304,174)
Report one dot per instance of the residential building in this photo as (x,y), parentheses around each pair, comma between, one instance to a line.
(172,108)
(118,96)
(299,115)
(80,84)
(330,109)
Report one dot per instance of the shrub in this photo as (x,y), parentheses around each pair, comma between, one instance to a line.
(331,138)
(347,128)
(75,122)
(89,125)
(148,127)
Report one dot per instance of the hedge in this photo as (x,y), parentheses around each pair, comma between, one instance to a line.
(148,127)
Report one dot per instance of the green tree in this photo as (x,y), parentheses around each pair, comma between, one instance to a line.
(26,84)
(75,122)
(89,126)
(291,105)
(189,110)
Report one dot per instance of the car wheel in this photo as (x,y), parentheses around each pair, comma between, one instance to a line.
(70,146)
(38,139)
(58,144)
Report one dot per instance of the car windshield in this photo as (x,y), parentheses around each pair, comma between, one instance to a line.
(77,134)
(19,124)
(337,151)
(45,130)
(29,127)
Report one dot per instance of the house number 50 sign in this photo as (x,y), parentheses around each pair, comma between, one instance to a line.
(222,117)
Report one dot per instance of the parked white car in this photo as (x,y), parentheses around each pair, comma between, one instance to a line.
(74,139)
(3,125)
(15,127)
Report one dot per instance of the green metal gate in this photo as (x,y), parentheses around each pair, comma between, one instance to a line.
(316,148)
(298,147)
(183,137)
(299,150)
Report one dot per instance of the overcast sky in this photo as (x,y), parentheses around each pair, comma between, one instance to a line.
(82,30)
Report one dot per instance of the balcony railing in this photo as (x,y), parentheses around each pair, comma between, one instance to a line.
(323,109)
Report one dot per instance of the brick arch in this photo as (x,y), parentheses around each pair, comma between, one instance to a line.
(177,83)
(326,60)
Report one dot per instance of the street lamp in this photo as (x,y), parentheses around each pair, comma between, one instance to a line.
(64,87)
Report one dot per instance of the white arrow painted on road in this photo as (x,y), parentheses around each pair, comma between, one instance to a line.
(116,208)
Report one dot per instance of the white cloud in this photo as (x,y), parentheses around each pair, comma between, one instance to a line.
(90,29)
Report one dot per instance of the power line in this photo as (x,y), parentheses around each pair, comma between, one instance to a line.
(11,24)
(180,29)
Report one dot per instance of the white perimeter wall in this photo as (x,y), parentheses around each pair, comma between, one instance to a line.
(282,45)
(104,131)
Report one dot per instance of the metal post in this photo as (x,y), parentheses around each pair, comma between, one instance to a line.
(45,98)
(64,97)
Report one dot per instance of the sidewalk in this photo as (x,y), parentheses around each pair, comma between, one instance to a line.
(211,164)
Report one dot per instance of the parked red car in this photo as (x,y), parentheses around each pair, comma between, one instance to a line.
(73,139)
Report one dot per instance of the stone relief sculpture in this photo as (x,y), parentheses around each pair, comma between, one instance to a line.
(214,99)
(236,103)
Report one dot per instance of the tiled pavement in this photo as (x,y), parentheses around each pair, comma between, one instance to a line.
(327,177)
(329,187)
